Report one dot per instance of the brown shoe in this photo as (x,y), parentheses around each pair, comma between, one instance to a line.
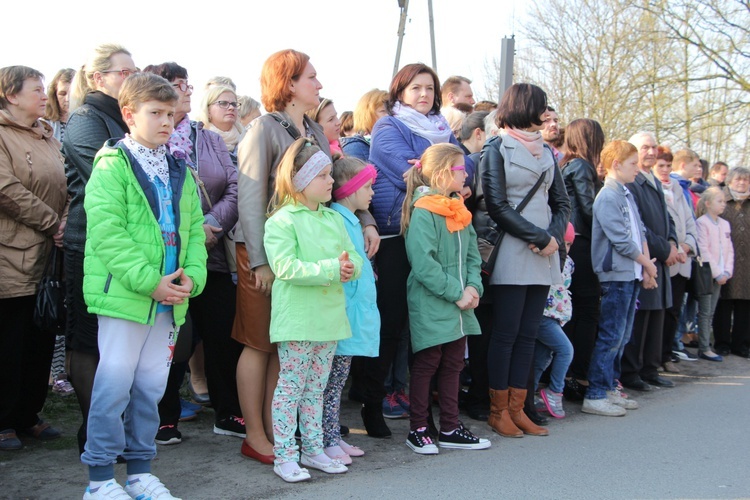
(499,419)
(516,398)
(671,367)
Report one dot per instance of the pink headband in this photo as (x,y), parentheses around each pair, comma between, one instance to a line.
(352,185)
(309,170)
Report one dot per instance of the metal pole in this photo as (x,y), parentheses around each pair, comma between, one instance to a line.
(432,36)
(507,54)
(404,5)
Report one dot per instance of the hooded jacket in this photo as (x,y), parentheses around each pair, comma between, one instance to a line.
(32,201)
(124,259)
(443,264)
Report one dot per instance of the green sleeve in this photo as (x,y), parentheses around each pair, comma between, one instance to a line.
(421,248)
(473,262)
(280,242)
(106,211)
(196,254)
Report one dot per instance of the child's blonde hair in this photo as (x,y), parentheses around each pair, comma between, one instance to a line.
(710,194)
(295,157)
(344,168)
(434,171)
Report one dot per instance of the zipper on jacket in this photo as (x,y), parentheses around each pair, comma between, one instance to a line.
(461,279)
(390,212)
(106,285)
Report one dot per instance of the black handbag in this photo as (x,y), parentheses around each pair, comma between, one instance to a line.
(701,278)
(49,311)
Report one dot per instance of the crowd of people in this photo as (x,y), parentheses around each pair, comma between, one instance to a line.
(424,246)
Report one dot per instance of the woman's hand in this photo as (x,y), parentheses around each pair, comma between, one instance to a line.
(210,235)
(263,279)
(58,236)
(550,249)
(372,241)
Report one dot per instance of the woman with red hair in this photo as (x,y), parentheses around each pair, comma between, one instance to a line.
(289,88)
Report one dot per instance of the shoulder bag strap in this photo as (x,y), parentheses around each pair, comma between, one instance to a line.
(291,129)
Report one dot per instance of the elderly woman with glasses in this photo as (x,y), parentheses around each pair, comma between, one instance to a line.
(212,312)
(95,117)
(220,113)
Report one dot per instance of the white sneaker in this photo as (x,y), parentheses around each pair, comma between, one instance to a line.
(148,486)
(602,407)
(616,398)
(110,491)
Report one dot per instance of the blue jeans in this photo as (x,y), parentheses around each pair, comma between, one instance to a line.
(615,327)
(687,319)
(552,345)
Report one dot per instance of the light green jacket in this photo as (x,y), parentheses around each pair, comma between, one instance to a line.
(303,249)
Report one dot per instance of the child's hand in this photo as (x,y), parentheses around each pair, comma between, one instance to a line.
(347,268)
(474,293)
(185,285)
(168,293)
(722,280)
(650,269)
(466,300)
(650,283)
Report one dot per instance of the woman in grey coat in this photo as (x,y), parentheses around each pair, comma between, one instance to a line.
(528,261)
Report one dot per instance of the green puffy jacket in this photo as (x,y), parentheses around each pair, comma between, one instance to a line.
(124,259)
(442,265)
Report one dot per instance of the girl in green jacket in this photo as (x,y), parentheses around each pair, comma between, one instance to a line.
(443,289)
(311,255)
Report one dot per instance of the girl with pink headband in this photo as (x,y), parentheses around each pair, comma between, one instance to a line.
(311,256)
(353,181)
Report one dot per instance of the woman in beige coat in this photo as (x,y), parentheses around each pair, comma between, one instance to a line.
(33,194)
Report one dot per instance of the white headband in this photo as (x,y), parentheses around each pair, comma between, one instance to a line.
(309,170)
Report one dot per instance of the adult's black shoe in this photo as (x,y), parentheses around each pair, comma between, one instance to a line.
(536,417)
(636,384)
(722,350)
(478,412)
(372,417)
(659,381)
(743,353)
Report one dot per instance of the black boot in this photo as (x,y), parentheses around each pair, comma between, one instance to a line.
(372,417)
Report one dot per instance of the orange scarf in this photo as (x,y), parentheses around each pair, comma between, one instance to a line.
(457,216)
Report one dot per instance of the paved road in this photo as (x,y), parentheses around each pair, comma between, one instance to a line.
(687,442)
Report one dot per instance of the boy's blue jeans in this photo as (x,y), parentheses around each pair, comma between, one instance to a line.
(615,327)
(129,382)
(552,345)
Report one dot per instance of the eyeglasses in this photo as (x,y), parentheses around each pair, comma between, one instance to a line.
(226,104)
(183,86)
(459,167)
(123,72)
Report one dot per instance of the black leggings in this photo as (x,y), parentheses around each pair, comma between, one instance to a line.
(517,312)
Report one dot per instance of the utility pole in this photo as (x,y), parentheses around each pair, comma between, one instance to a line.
(404,6)
(432,36)
(507,55)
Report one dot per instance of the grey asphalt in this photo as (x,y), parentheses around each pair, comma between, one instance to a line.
(687,442)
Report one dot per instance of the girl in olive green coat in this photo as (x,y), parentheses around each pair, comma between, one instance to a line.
(443,289)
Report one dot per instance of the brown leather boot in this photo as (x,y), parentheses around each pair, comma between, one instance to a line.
(516,398)
(499,419)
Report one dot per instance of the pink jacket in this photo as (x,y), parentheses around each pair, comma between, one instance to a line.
(714,240)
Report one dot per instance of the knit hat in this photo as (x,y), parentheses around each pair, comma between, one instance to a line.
(570,233)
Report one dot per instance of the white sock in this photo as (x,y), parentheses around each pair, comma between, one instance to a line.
(322,458)
(133,478)
(448,433)
(335,451)
(95,485)
(289,467)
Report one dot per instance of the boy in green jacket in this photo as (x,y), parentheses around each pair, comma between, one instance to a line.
(145,256)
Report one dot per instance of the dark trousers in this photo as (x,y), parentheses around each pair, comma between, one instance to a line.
(392,270)
(25,358)
(479,395)
(734,335)
(642,355)
(447,360)
(585,294)
(517,311)
(82,328)
(672,317)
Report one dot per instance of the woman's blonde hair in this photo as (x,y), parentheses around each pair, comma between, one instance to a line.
(433,171)
(83,83)
(211,96)
(344,168)
(294,158)
(366,112)
(708,195)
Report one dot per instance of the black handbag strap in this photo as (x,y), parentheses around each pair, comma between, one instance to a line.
(289,127)
(528,197)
